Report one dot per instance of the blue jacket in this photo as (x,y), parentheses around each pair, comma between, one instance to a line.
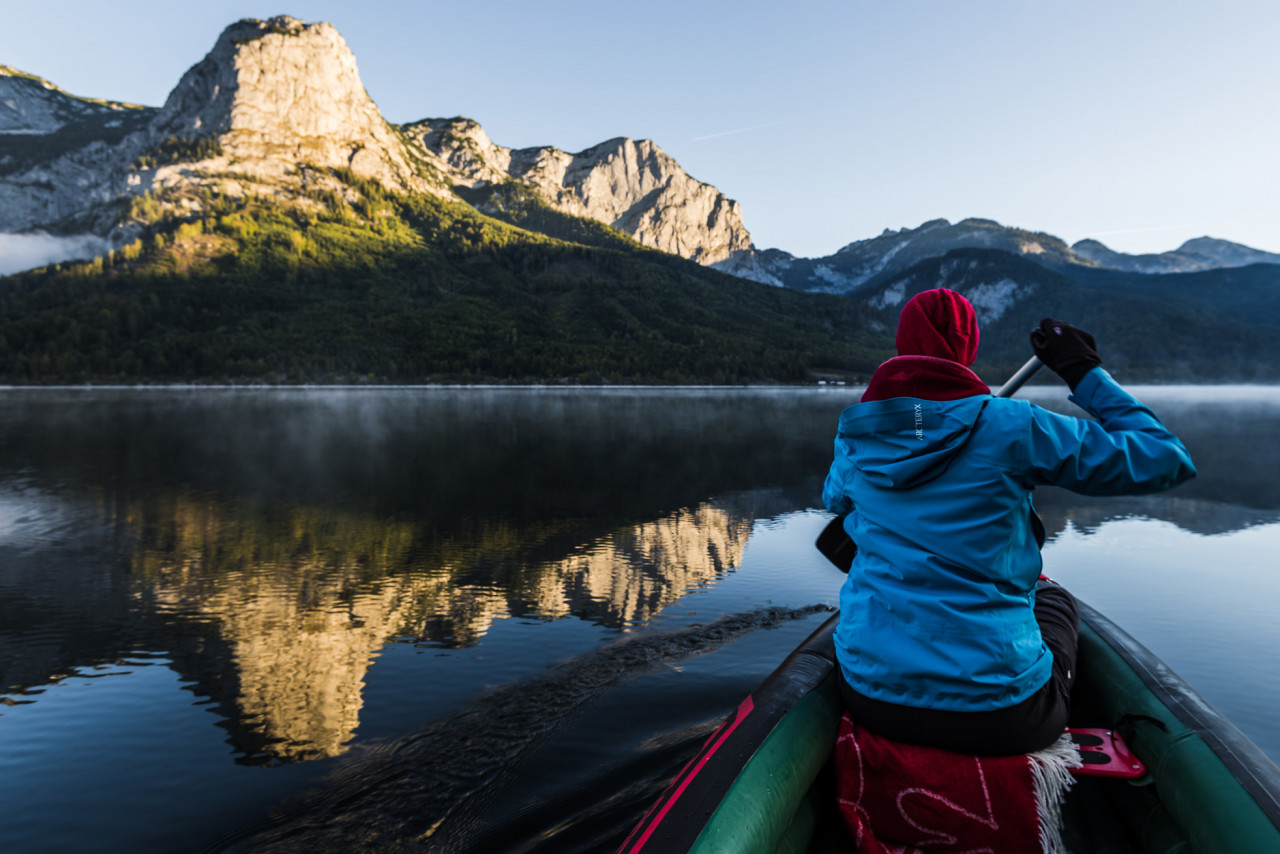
(937,609)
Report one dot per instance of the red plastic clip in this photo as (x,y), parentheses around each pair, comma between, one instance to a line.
(1104,754)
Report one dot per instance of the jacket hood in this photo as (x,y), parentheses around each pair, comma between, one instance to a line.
(923,376)
(939,323)
(902,442)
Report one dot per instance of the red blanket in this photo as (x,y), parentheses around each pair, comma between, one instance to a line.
(902,798)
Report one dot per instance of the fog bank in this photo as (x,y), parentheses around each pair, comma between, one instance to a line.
(20,252)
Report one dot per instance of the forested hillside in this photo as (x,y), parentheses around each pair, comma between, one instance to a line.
(399,288)
(1214,326)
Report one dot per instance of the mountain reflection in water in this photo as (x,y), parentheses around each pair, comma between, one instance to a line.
(303,600)
(274,544)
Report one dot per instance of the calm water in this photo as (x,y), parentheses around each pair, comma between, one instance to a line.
(488,619)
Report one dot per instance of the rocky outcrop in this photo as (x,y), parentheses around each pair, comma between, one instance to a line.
(280,93)
(270,99)
(32,105)
(630,185)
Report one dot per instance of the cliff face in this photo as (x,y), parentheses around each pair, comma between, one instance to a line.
(272,99)
(630,185)
(279,93)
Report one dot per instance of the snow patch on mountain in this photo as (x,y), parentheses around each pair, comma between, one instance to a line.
(992,300)
(891,296)
(746,264)
(833,277)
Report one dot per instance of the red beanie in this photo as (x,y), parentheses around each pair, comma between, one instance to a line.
(939,323)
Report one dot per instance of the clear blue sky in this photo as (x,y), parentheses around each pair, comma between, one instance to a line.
(1142,124)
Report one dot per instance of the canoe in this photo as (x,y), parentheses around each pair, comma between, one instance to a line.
(763,782)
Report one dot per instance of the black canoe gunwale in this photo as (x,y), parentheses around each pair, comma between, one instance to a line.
(690,803)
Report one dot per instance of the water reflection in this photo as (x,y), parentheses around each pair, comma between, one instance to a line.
(302,599)
(273,543)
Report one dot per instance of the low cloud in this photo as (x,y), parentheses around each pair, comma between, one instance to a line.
(20,252)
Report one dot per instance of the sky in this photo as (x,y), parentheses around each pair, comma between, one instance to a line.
(1140,123)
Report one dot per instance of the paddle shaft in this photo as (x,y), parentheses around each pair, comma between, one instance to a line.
(1020,377)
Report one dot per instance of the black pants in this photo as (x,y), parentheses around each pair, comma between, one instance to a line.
(1031,725)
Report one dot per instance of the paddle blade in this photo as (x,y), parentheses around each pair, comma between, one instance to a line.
(836,545)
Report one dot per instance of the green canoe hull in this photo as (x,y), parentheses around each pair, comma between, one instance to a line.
(763,782)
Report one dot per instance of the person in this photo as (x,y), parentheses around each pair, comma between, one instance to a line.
(948,634)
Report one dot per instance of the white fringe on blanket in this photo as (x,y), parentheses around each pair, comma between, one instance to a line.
(1051,773)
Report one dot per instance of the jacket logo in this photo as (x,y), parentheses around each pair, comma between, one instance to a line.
(919,423)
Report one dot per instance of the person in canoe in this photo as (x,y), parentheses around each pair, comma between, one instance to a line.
(949,636)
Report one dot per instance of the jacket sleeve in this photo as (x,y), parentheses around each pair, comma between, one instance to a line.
(834,495)
(1126,452)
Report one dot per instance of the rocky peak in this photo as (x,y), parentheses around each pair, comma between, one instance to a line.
(633,186)
(638,189)
(282,92)
(464,150)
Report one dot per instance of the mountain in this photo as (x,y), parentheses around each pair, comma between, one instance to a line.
(266,224)
(281,97)
(1201,253)
(56,147)
(864,261)
(269,109)
(1175,327)
(277,103)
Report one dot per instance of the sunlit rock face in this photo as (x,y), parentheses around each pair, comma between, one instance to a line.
(630,185)
(279,93)
(282,99)
(303,602)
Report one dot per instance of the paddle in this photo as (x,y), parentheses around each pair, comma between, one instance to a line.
(834,542)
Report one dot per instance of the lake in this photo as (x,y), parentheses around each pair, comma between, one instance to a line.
(477,619)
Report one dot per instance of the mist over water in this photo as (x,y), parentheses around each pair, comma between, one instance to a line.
(196,586)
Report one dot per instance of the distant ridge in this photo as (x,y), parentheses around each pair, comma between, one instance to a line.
(865,261)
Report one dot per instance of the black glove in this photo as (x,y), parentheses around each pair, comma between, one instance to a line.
(1068,351)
